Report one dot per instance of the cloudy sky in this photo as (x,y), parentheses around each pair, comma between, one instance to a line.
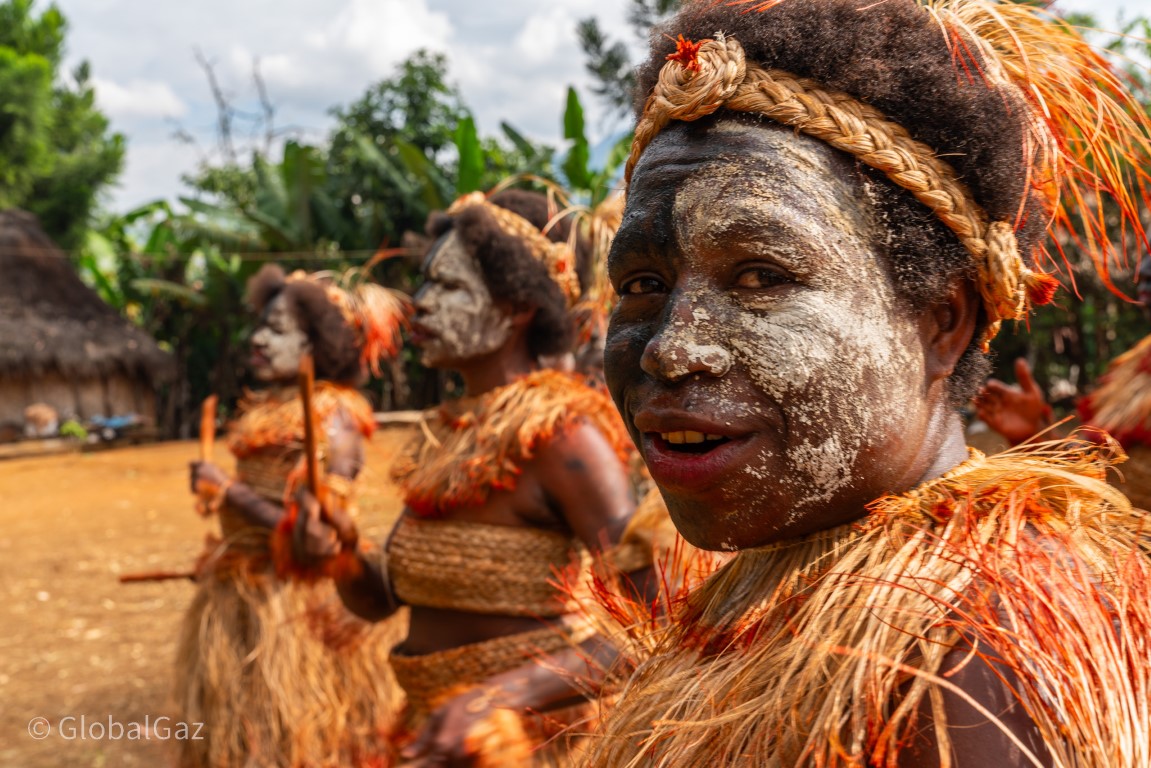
(512,60)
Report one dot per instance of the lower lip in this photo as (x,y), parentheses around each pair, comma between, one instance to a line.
(692,471)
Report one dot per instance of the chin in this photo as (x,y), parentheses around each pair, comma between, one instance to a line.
(730,526)
(702,524)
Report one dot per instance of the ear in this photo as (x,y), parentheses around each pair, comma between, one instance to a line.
(947,328)
(521,318)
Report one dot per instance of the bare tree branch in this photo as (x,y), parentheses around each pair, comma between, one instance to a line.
(224,109)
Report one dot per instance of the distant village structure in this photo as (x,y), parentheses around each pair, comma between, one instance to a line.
(61,346)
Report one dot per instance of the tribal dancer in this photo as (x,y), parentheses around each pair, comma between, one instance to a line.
(1120,405)
(269,660)
(508,491)
(832,207)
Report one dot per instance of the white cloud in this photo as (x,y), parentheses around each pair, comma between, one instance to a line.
(138,98)
(152,171)
(512,59)
(545,34)
(362,43)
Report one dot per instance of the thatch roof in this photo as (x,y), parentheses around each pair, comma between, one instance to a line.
(51,321)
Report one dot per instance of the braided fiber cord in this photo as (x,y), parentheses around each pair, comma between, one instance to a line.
(559,258)
(702,77)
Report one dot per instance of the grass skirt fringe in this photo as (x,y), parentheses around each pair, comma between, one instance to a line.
(281,674)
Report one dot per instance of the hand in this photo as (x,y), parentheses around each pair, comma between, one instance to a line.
(206,478)
(316,536)
(1016,412)
(443,740)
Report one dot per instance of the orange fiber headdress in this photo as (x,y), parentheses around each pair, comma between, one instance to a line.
(1087,135)
(376,314)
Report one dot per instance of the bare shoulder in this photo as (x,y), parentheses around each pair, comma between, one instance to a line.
(586,481)
(984,720)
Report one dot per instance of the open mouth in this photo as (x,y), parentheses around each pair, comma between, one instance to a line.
(687,441)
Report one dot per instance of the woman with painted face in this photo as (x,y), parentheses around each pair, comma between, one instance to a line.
(269,661)
(1119,405)
(507,490)
(832,207)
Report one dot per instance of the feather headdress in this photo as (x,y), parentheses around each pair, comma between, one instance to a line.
(1087,138)
(376,314)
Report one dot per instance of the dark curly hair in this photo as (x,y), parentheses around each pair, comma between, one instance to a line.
(893,56)
(511,273)
(334,346)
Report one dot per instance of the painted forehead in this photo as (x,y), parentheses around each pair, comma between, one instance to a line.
(449,258)
(279,309)
(736,182)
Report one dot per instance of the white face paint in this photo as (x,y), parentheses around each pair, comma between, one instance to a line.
(755,308)
(278,343)
(456,320)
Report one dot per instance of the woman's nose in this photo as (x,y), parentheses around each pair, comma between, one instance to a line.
(686,344)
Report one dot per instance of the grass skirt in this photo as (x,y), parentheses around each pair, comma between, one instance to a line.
(504,739)
(281,674)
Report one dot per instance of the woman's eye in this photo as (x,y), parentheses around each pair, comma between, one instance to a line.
(760,277)
(641,286)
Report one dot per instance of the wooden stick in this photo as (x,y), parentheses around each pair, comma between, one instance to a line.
(208,427)
(307,393)
(133,578)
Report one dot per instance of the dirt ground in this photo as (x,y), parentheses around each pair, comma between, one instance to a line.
(80,653)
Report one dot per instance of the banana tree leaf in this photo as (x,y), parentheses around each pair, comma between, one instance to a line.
(471,161)
(385,166)
(575,165)
(435,190)
(181,293)
(529,150)
(606,179)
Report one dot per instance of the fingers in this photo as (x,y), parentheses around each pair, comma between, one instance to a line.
(344,524)
(312,539)
(1024,376)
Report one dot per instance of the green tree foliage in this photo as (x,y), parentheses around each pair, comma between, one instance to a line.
(409,145)
(56,151)
(167,272)
(406,147)
(608,59)
(415,109)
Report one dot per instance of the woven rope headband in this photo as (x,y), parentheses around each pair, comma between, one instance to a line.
(557,257)
(701,77)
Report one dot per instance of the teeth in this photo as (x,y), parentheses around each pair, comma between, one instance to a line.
(687,436)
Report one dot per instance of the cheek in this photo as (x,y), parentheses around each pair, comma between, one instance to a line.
(623,349)
(845,381)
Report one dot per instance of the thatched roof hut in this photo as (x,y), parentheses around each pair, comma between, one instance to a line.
(60,344)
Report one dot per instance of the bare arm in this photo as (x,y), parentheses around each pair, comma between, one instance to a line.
(583,478)
(369,595)
(206,480)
